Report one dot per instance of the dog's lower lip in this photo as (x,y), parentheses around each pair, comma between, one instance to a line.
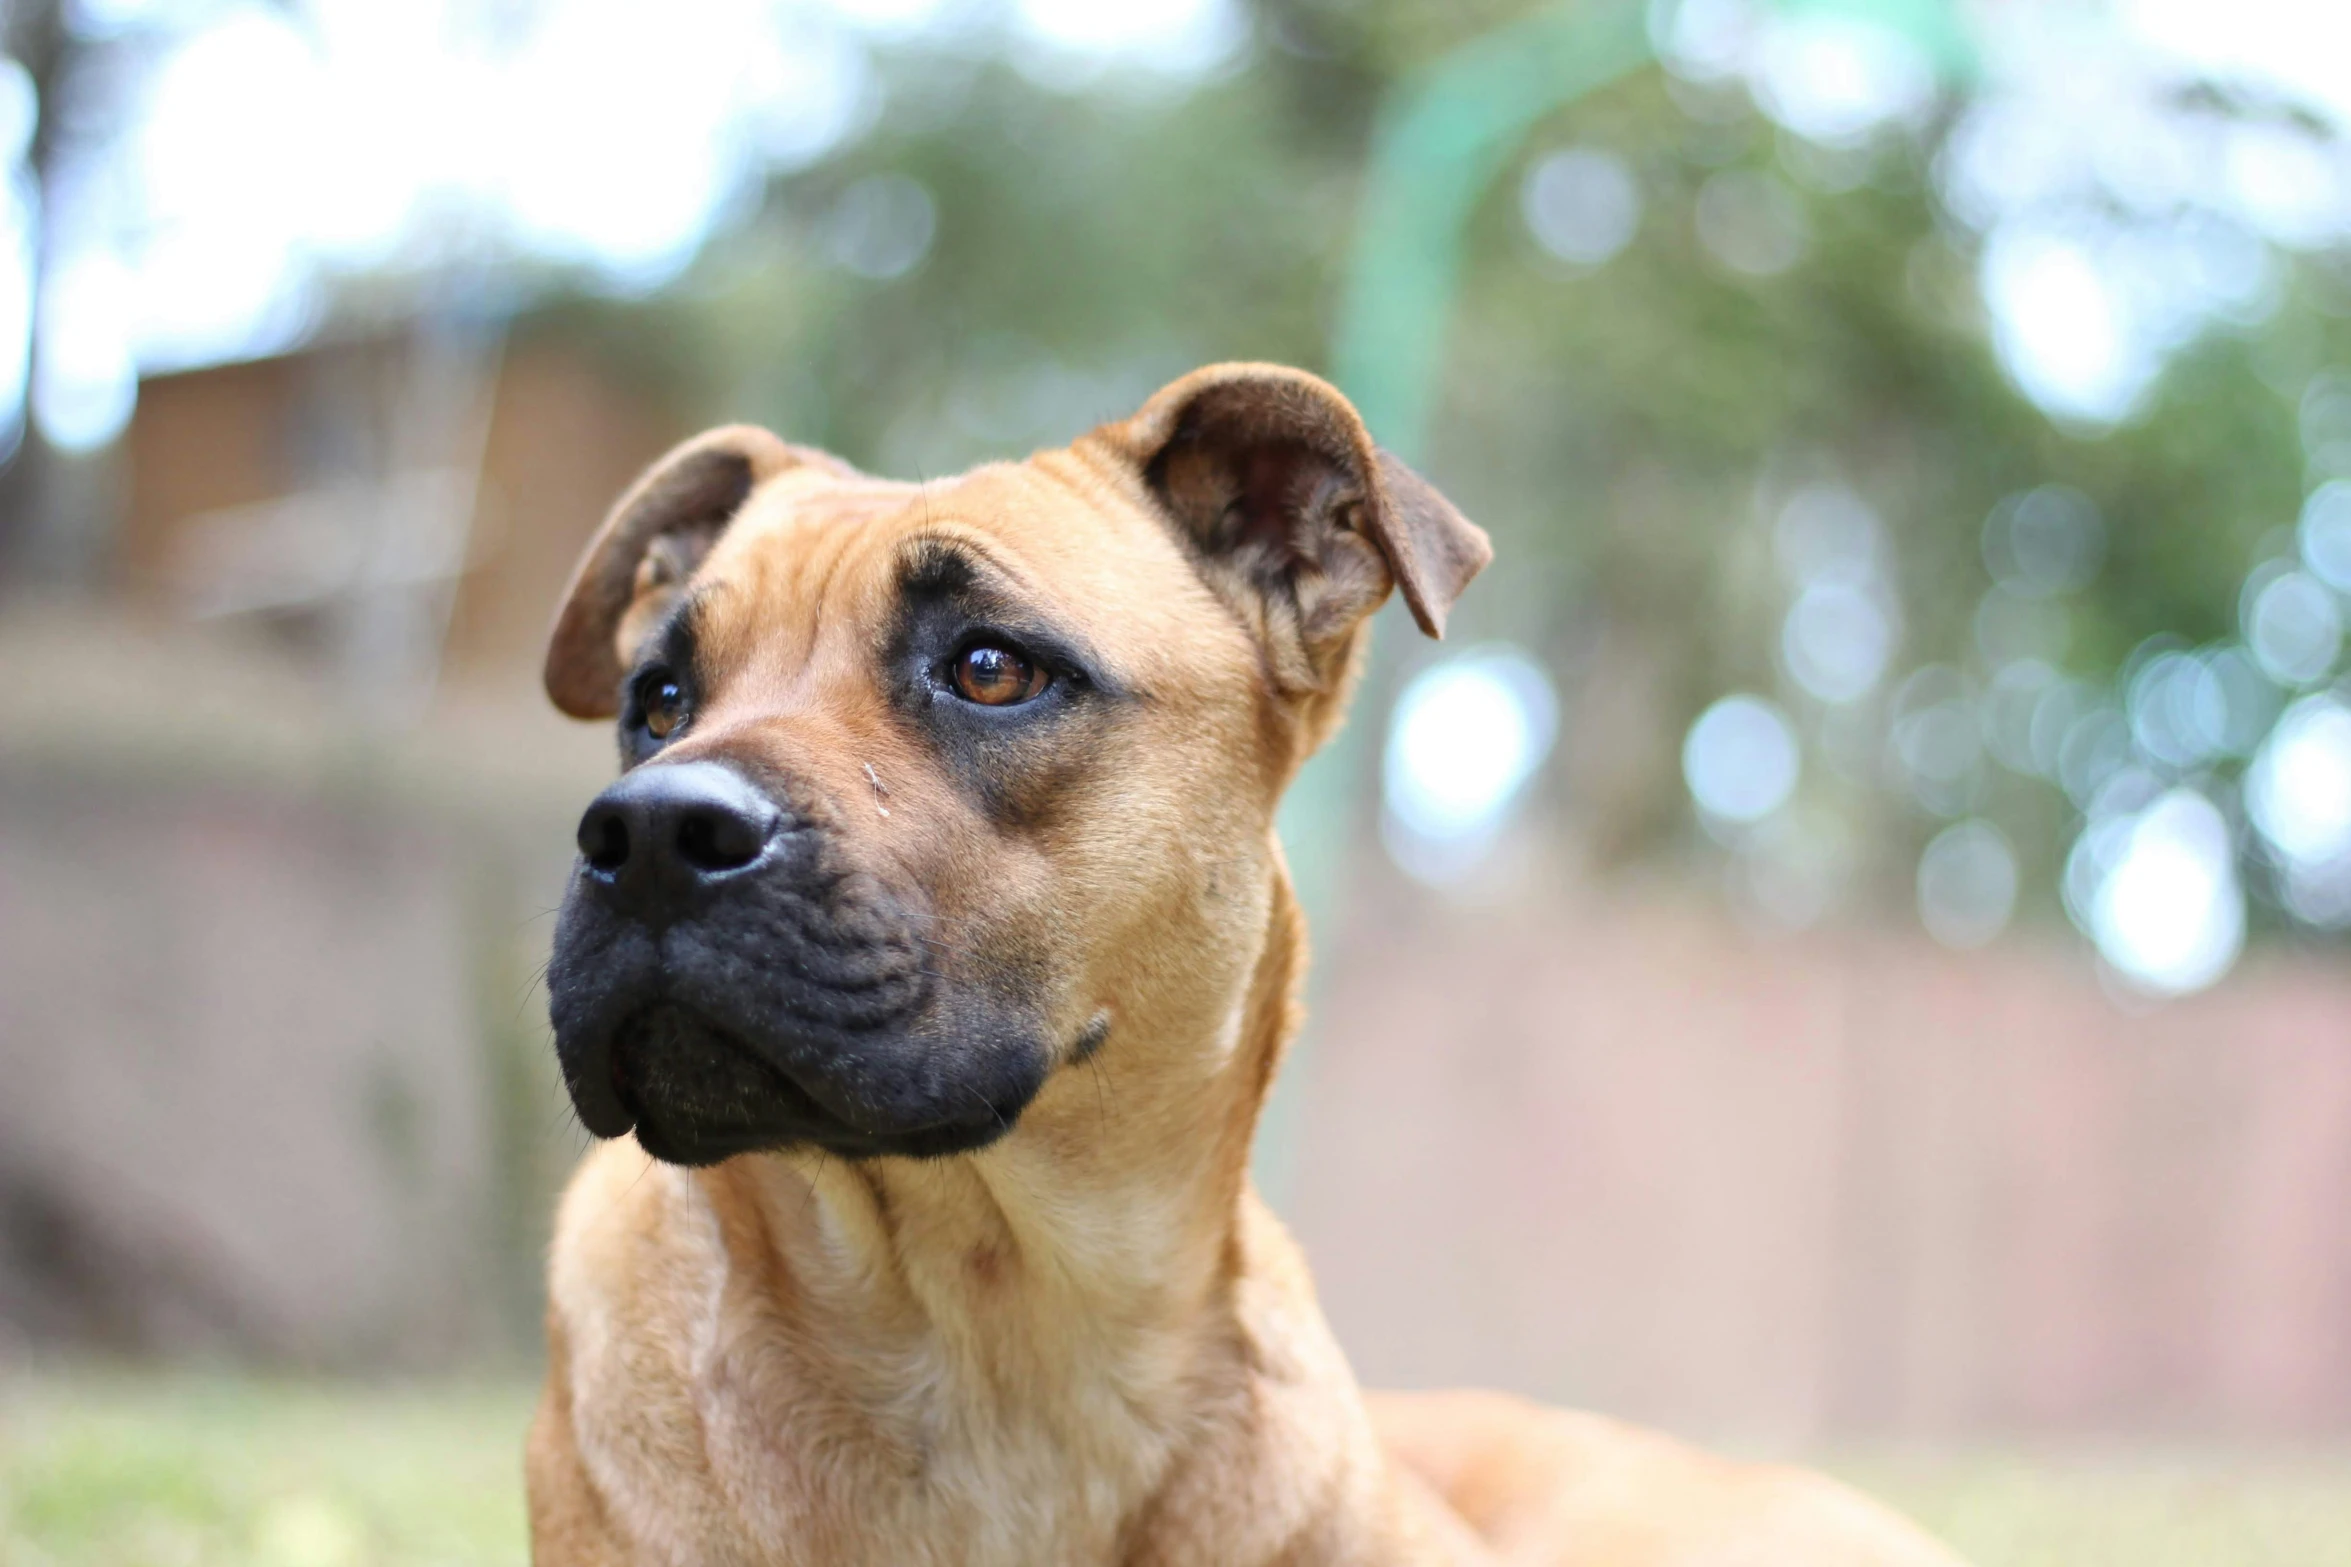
(799,1109)
(596,1097)
(619,1096)
(675,1135)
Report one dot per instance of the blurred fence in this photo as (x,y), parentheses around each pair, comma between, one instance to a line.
(283,821)
(278,1086)
(1622,1153)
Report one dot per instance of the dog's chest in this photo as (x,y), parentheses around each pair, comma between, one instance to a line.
(791,1475)
(718,1432)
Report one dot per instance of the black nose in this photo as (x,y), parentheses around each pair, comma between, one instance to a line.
(663,834)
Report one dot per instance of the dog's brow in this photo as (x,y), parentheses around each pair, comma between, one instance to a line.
(933,566)
(936,569)
(674,643)
(946,570)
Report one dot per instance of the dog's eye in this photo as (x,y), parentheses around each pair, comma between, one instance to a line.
(995,676)
(665,707)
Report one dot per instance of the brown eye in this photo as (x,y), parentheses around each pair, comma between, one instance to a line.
(665,708)
(996,676)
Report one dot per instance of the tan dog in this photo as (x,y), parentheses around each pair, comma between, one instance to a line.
(937,948)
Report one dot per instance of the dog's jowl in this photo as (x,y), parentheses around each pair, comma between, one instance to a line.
(925,970)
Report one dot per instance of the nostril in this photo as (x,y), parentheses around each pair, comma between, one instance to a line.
(713,840)
(662,831)
(604,840)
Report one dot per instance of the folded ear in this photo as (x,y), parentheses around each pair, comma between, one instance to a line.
(1300,522)
(640,560)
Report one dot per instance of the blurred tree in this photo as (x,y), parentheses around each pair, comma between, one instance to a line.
(85,69)
(34,34)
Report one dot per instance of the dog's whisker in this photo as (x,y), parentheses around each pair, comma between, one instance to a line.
(809,1178)
(985,1104)
(645,1170)
(1101,1103)
(522,998)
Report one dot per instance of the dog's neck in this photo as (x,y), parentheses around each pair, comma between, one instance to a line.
(1089,1253)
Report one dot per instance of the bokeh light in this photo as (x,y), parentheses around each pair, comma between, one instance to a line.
(1967,881)
(1842,629)
(2018,690)
(881,226)
(1836,77)
(2044,542)
(2293,624)
(1740,759)
(2158,892)
(1837,641)
(1936,739)
(1581,204)
(1465,737)
(2298,791)
(2062,328)
(2324,417)
(2096,746)
(2324,534)
(1079,38)
(1827,531)
(2178,708)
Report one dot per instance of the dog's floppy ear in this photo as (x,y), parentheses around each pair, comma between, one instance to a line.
(638,562)
(1300,522)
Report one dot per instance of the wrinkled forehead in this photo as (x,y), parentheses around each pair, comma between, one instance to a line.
(1049,537)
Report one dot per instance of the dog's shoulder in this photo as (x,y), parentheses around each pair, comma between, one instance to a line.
(636,1270)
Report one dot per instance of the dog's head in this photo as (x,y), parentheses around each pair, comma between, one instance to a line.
(929,790)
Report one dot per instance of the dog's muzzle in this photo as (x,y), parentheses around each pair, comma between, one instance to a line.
(722,982)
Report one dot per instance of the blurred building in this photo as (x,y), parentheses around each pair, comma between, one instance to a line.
(400,511)
(279,818)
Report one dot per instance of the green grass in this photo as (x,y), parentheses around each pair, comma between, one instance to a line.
(121,1470)
(191,1471)
(2126,1508)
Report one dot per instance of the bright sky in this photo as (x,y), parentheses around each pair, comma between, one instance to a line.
(2298,47)
(275,152)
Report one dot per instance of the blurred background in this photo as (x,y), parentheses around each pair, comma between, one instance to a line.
(1842,954)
